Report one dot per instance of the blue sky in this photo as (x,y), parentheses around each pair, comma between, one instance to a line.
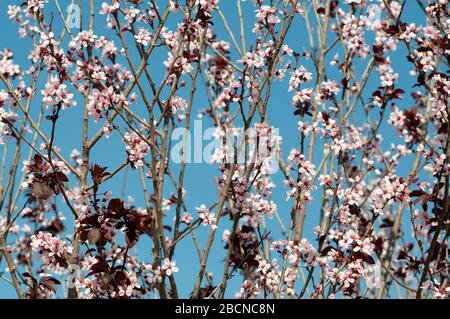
(199,177)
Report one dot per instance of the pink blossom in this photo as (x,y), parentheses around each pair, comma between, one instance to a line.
(169,267)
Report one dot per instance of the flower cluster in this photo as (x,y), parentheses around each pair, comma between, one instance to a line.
(306,174)
(206,217)
(136,148)
(7,67)
(53,251)
(6,119)
(43,178)
(353,35)
(56,93)
(362,104)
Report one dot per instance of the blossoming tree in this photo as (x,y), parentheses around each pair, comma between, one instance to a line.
(365,208)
